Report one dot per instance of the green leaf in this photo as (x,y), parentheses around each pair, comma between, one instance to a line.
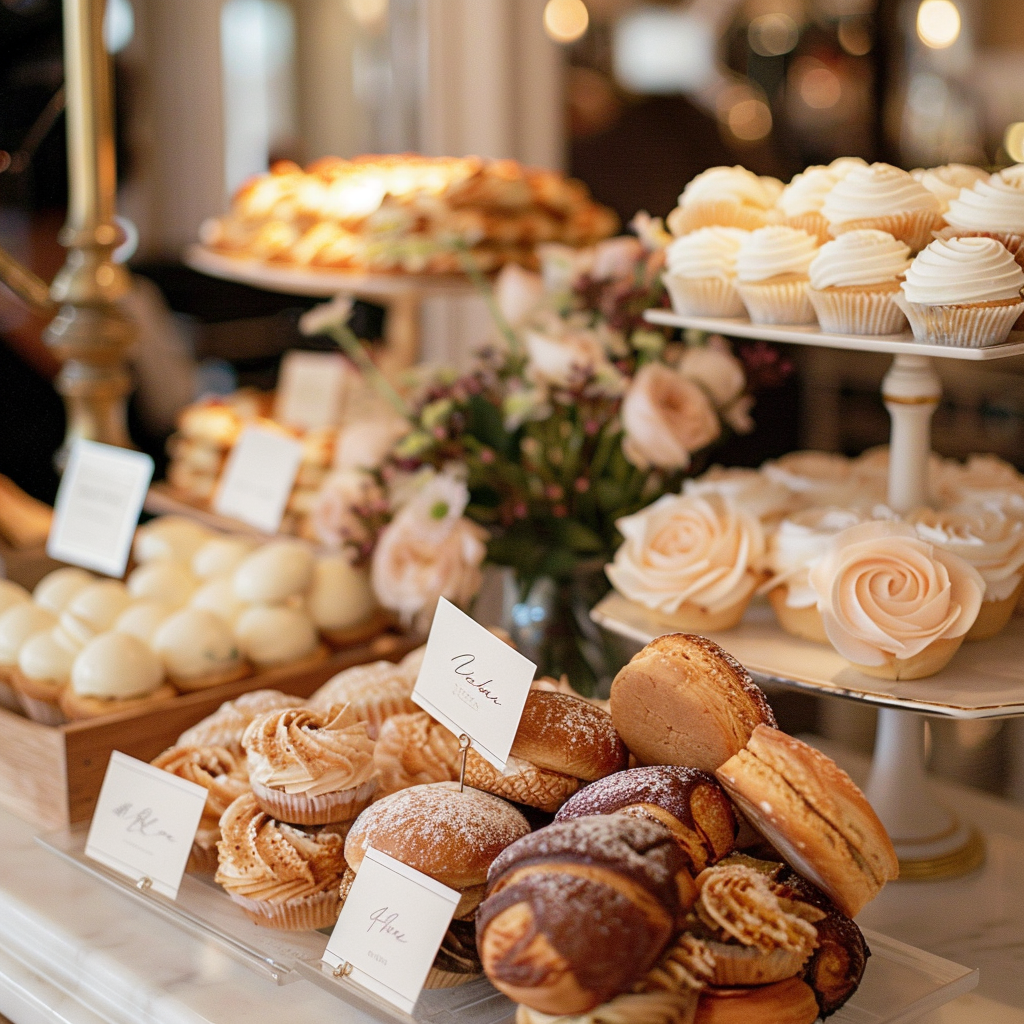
(580,538)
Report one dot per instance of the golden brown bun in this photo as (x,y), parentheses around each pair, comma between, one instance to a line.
(814,814)
(77,707)
(451,836)
(683,700)
(787,1002)
(521,782)
(568,734)
(687,801)
(626,873)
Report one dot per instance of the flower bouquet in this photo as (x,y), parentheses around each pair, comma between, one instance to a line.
(577,414)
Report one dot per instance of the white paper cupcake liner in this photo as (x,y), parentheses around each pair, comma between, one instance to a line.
(964,326)
(325,809)
(306,913)
(782,302)
(915,228)
(703,296)
(841,311)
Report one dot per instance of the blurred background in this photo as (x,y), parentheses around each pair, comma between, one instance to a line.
(632,96)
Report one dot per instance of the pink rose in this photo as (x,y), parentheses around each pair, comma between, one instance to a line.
(666,416)
(333,517)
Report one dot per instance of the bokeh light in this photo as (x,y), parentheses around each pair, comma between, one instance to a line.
(820,88)
(743,112)
(368,13)
(565,20)
(938,23)
(1013,141)
(854,37)
(772,35)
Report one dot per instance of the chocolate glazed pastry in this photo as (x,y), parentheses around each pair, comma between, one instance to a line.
(687,801)
(625,873)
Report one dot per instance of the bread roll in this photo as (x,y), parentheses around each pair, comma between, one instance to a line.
(786,1002)
(683,700)
(687,801)
(814,814)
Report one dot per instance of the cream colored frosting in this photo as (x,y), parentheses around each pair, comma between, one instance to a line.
(194,643)
(116,665)
(707,252)
(165,580)
(990,541)
(945,182)
(58,588)
(312,752)
(799,543)
(993,204)
(220,555)
(842,165)
(17,624)
(859,258)
(883,591)
(880,190)
(1013,174)
(48,656)
(218,596)
(963,270)
(141,619)
(169,537)
(812,475)
(774,250)
(730,184)
(11,594)
(984,480)
(341,595)
(748,489)
(274,572)
(274,635)
(806,192)
(94,609)
(696,549)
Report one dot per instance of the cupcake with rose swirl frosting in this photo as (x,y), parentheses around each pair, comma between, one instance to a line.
(893,605)
(310,767)
(963,291)
(700,272)
(885,198)
(854,281)
(772,275)
(724,196)
(281,876)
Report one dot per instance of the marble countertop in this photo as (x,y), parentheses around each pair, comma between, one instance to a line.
(73,950)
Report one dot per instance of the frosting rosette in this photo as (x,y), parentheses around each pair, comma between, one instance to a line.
(963,270)
(729,196)
(748,489)
(991,204)
(707,252)
(773,251)
(886,596)
(807,190)
(947,181)
(815,478)
(859,258)
(688,550)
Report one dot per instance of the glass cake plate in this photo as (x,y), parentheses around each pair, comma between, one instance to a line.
(900,984)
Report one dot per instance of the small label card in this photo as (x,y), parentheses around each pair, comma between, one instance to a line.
(144,823)
(258,478)
(311,389)
(98,505)
(391,928)
(473,683)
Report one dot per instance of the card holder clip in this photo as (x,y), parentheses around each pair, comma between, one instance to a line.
(342,971)
(464,742)
(144,884)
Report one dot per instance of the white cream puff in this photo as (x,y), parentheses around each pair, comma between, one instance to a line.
(198,650)
(277,635)
(169,537)
(275,572)
(94,609)
(221,555)
(58,588)
(341,601)
(164,580)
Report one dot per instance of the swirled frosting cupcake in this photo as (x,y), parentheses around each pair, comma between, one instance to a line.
(310,767)
(945,182)
(700,272)
(814,478)
(885,198)
(892,604)
(854,281)
(281,877)
(694,560)
(963,291)
(985,480)
(802,199)
(992,207)
(749,490)
(226,726)
(772,275)
(724,196)
(991,542)
(223,776)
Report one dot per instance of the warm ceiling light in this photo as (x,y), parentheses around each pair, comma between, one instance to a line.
(938,23)
(749,120)
(820,88)
(566,20)
(1013,141)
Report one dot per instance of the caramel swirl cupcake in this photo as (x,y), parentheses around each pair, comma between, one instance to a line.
(310,767)
(225,727)
(281,877)
(223,776)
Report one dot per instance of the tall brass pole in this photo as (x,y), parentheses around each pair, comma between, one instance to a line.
(90,332)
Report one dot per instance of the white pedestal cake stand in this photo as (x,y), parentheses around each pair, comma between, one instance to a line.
(984,679)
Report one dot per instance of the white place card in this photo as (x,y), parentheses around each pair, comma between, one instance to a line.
(98,505)
(144,823)
(311,389)
(258,478)
(473,683)
(391,928)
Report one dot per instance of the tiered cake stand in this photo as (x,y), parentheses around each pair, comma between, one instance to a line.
(984,679)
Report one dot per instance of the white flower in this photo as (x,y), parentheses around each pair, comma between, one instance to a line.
(333,517)
(322,318)
(366,443)
(716,370)
(566,356)
(616,257)
(665,417)
(650,230)
(525,406)
(518,293)
(562,265)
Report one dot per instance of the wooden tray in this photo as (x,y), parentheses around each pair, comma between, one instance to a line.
(51,775)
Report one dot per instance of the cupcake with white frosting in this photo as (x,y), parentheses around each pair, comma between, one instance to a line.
(992,207)
(946,182)
(802,199)
(727,197)
(772,275)
(814,478)
(885,198)
(963,291)
(854,281)
(700,272)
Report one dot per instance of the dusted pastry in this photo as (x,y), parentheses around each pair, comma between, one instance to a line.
(412,750)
